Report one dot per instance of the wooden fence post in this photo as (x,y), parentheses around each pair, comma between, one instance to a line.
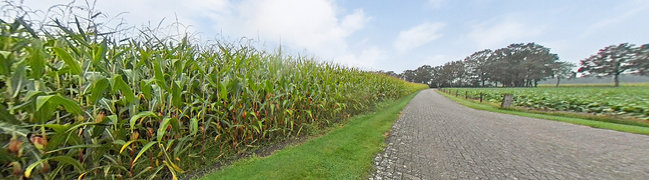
(480,97)
(466,94)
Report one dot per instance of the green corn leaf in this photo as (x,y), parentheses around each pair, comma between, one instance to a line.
(5,62)
(144,149)
(57,100)
(224,91)
(61,159)
(36,59)
(56,140)
(139,115)
(5,115)
(98,90)
(13,129)
(193,126)
(99,51)
(169,160)
(159,76)
(155,173)
(67,58)
(171,169)
(119,84)
(79,125)
(5,54)
(82,146)
(145,87)
(163,127)
(129,143)
(176,98)
(17,80)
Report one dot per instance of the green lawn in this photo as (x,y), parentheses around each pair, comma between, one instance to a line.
(573,120)
(346,152)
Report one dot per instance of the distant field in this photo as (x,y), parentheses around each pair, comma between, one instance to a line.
(624,78)
(635,84)
(630,100)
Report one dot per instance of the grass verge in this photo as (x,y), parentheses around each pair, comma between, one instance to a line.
(573,120)
(346,152)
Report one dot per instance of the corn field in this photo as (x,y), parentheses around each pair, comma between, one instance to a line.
(77,104)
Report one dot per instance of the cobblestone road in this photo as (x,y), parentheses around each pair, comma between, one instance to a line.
(436,138)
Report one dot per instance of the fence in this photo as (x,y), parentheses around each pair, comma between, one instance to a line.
(507,100)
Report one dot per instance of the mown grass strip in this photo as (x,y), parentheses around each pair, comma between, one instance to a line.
(344,153)
(573,120)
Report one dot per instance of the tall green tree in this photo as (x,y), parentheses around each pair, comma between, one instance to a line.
(423,74)
(436,77)
(641,60)
(563,70)
(453,74)
(521,64)
(538,64)
(475,67)
(610,61)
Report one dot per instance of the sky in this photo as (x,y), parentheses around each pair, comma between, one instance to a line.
(396,35)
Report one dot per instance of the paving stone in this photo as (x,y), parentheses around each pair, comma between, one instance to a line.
(436,138)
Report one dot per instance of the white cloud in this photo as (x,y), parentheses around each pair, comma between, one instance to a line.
(417,36)
(315,25)
(320,27)
(138,12)
(493,35)
(367,58)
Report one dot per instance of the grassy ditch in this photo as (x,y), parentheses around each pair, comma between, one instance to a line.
(345,153)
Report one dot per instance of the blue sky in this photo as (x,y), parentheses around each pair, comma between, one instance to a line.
(398,35)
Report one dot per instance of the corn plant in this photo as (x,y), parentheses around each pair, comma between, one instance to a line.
(79,104)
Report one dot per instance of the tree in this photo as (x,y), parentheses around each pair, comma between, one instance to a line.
(520,64)
(516,65)
(408,75)
(476,68)
(497,67)
(423,74)
(563,70)
(538,63)
(436,78)
(453,74)
(641,61)
(610,61)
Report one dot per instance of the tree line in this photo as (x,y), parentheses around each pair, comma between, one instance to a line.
(525,64)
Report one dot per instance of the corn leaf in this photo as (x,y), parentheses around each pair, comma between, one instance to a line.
(119,84)
(163,127)
(57,100)
(98,90)
(72,64)
(139,115)
(61,159)
(144,149)
(36,59)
